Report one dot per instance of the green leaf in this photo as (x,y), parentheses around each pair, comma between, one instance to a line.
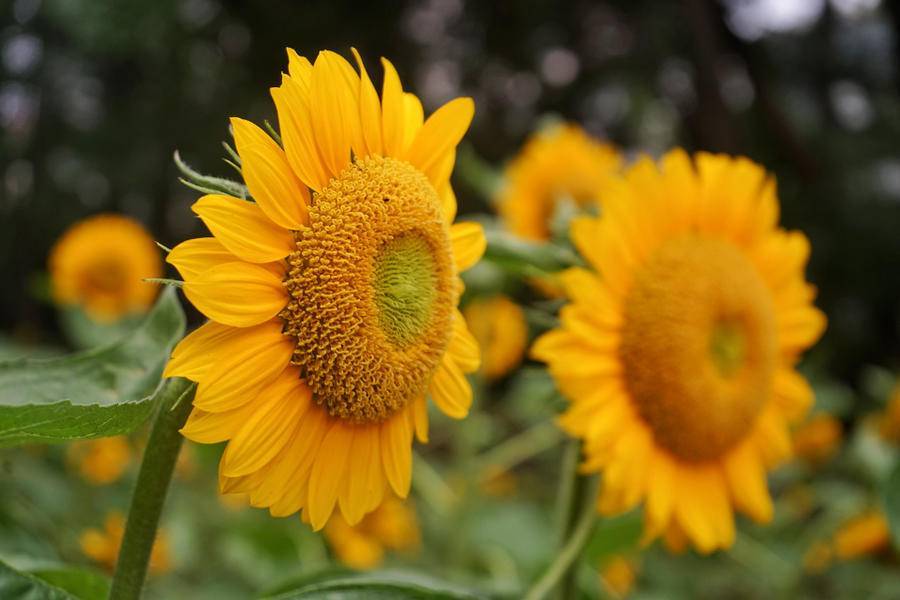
(102,392)
(22,586)
(890,495)
(613,536)
(82,583)
(384,585)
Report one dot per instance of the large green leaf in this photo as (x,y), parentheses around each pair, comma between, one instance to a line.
(394,585)
(22,586)
(101,392)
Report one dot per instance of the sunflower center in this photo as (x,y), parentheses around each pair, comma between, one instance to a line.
(372,288)
(404,287)
(698,346)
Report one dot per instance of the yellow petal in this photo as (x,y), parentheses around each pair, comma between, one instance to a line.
(328,473)
(269,428)
(193,355)
(272,183)
(448,202)
(746,478)
(332,106)
(299,67)
(413,115)
(463,347)
(396,453)
(369,109)
(358,485)
(245,364)
(244,229)
(313,427)
(237,294)
(450,390)
(468,244)
(420,419)
(441,133)
(211,428)
(392,111)
(193,257)
(295,122)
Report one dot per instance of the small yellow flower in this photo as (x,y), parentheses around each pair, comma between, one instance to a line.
(889,421)
(391,526)
(100,264)
(499,327)
(863,535)
(679,347)
(100,461)
(818,438)
(332,297)
(102,545)
(618,576)
(561,163)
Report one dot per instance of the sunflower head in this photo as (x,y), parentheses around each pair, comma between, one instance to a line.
(558,164)
(499,325)
(100,461)
(393,526)
(100,264)
(678,348)
(332,295)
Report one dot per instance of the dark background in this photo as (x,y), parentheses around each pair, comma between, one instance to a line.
(95,96)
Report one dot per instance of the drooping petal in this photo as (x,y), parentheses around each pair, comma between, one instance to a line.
(244,229)
(396,453)
(468,243)
(450,390)
(245,364)
(463,347)
(392,110)
(328,473)
(193,257)
(268,429)
(192,357)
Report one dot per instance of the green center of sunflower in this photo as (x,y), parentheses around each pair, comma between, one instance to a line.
(405,279)
(698,346)
(372,287)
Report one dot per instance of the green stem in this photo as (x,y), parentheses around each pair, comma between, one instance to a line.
(519,448)
(569,554)
(176,399)
(565,497)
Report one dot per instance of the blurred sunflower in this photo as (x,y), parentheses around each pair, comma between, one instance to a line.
(678,354)
(391,526)
(560,163)
(499,327)
(100,461)
(818,438)
(102,545)
(889,421)
(333,297)
(862,535)
(100,264)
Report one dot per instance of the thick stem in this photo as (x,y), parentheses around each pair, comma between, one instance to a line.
(568,556)
(151,488)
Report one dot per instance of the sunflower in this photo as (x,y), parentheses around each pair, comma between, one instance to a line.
(102,545)
(333,297)
(560,163)
(391,526)
(501,331)
(100,461)
(818,439)
(678,350)
(100,264)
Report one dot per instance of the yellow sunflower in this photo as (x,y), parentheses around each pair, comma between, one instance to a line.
(100,461)
(391,526)
(560,163)
(100,263)
(501,331)
(102,545)
(678,350)
(333,297)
